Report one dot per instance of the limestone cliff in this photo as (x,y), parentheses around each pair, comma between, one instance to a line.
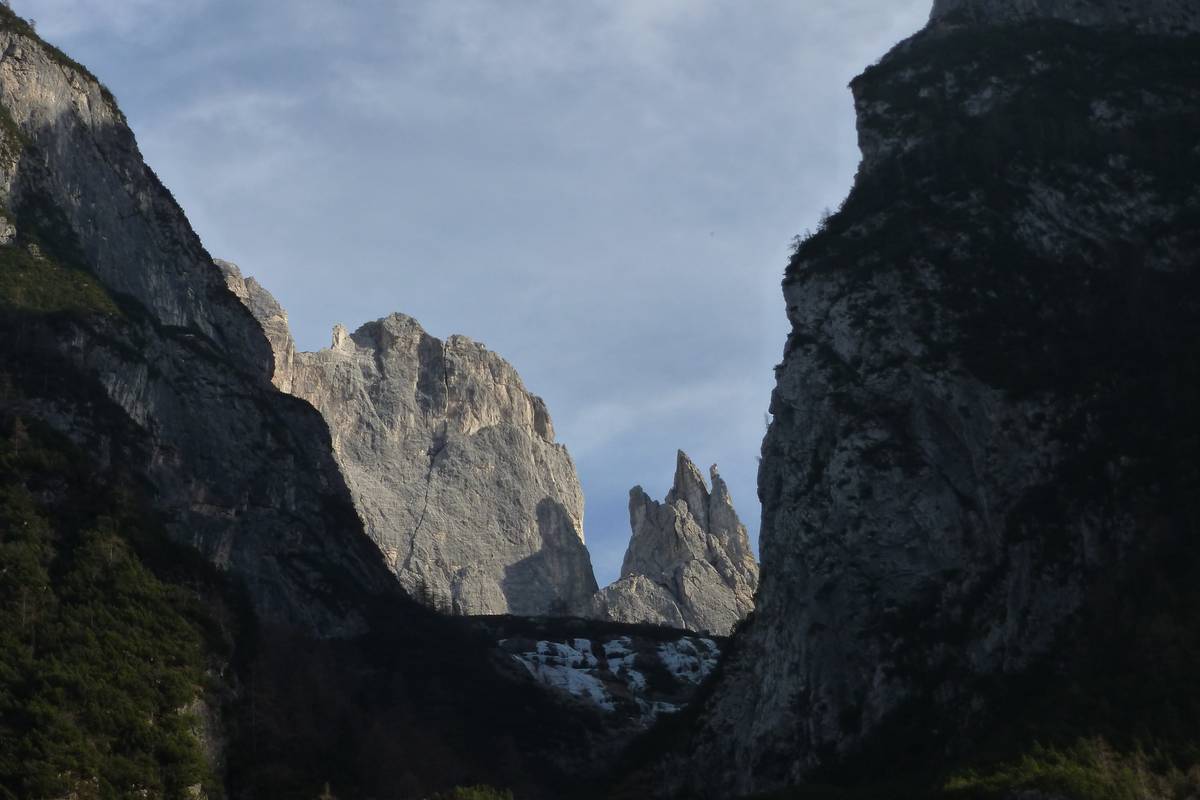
(238,471)
(136,407)
(984,436)
(689,563)
(451,461)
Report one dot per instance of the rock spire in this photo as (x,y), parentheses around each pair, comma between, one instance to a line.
(689,562)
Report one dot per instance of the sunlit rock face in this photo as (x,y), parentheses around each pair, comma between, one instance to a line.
(984,429)
(456,474)
(689,563)
(451,461)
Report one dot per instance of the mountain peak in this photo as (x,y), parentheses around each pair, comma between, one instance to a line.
(689,487)
(689,561)
(451,462)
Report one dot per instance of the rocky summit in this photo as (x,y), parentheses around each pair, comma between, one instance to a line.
(979,483)
(451,461)
(689,563)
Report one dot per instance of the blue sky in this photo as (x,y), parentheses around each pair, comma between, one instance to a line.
(602,191)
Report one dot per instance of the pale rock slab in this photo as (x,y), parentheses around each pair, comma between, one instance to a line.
(451,461)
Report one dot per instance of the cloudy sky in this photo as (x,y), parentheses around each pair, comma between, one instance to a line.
(602,191)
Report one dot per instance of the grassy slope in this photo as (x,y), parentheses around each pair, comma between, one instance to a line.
(32,281)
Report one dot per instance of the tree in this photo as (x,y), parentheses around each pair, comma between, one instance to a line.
(20,435)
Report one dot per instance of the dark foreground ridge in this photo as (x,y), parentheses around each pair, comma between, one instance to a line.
(979,537)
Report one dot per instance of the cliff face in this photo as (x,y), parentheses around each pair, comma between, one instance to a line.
(984,428)
(689,563)
(239,471)
(478,511)
(70,155)
(451,461)
(136,405)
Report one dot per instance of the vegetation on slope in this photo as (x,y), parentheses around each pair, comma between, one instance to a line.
(32,281)
(100,660)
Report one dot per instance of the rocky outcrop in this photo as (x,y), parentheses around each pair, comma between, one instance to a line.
(689,563)
(451,461)
(136,350)
(984,429)
(1147,16)
(456,474)
(270,316)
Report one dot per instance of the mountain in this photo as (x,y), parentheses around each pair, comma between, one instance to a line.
(478,511)
(980,485)
(689,563)
(451,462)
(979,539)
(113,304)
(189,605)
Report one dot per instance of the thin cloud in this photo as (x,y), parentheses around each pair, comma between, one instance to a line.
(128,19)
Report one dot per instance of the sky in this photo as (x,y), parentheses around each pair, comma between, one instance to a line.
(601,191)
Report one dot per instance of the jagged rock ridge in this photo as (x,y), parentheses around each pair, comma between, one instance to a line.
(984,430)
(689,562)
(451,461)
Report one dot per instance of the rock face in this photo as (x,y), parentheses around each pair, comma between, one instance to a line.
(452,463)
(456,474)
(689,563)
(1147,16)
(984,426)
(119,334)
(164,373)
